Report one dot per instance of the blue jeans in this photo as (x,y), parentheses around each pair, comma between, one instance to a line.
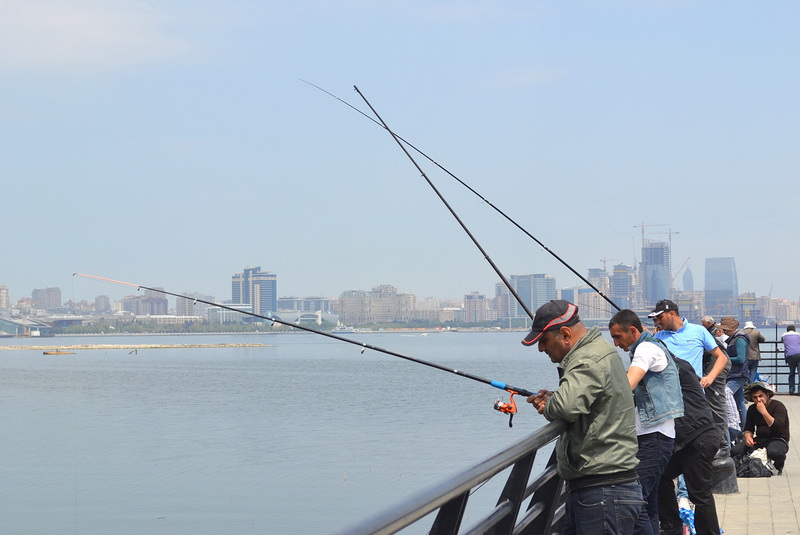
(610,509)
(655,451)
(736,386)
(792,361)
(753,368)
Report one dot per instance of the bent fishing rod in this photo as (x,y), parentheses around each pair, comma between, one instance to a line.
(473,191)
(509,408)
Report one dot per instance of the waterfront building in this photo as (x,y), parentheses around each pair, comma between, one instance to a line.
(721,287)
(46,298)
(152,303)
(655,271)
(476,308)
(534,290)
(380,305)
(690,305)
(102,304)
(304,304)
(187,306)
(621,285)
(257,288)
(217,314)
(5,300)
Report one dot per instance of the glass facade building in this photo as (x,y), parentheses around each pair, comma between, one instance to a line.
(256,288)
(721,287)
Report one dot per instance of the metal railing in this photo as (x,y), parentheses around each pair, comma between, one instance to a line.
(772,367)
(542,516)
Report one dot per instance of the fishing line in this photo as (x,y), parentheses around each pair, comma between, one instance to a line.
(497,384)
(481,197)
(450,208)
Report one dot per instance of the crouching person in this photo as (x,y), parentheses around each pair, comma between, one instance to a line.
(766,425)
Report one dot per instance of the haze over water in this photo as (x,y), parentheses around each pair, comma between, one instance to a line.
(307,436)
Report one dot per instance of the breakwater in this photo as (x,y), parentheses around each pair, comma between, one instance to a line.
(127,346)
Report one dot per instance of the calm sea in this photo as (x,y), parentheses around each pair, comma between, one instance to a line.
(305,436)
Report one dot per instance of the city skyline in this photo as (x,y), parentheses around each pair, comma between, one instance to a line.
(169,144)
(526,285)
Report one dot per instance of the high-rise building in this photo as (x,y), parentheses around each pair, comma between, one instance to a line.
(721,287)
(476,308)
(534,290)
(381,305)
(5,300)
(620,286)
(102,304)
(150,304)
(188,306)
(656,269)
(257,288)
(46,298)
(688,280)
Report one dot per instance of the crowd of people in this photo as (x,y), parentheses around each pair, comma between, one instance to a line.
(640,438)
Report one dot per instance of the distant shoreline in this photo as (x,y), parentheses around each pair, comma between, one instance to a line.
(129,346)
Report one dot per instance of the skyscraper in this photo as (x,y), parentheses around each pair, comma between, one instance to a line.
(655,271)
(688,280)
(256,288)
(46,298)
(722,287)
(620,288)
(534,290)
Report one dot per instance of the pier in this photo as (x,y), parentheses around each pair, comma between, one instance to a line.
(767,505)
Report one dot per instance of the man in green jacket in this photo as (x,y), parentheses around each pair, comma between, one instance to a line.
(597,453)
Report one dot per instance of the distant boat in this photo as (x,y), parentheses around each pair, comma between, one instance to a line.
(343,329)
(58,352)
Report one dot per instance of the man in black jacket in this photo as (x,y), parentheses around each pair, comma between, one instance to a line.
(695,446)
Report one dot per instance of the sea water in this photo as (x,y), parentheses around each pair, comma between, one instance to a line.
(307,435)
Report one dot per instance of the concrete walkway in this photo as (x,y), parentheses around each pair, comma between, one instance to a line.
(767,505)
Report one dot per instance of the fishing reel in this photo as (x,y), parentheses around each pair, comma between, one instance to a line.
(509,408)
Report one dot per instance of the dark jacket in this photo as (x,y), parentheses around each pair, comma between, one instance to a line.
(697,417)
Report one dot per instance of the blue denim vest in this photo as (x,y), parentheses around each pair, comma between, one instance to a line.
(658,395)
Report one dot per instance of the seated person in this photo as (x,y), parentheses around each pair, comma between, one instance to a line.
(766,425)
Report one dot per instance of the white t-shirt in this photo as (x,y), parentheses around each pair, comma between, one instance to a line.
(649,357)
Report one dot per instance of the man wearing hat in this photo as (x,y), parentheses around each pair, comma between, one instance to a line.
(754,350)
(689,342)
(596,455)
(766,426)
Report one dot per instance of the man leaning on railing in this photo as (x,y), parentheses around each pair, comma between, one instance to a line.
(596,455)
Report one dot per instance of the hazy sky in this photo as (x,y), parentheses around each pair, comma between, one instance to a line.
(172,143)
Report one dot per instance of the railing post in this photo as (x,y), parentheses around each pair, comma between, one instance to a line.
(448,520)
(550,496)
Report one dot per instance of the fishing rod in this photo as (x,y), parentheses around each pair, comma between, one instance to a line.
(481,197)
(450,208)
(509,408)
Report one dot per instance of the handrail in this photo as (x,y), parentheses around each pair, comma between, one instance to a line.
(450,496)
(773,365)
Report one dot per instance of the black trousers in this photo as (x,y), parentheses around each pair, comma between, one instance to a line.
(715,394)
(694,461)
(776,450)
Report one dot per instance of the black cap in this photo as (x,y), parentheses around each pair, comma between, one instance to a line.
(550,316)
(662,306)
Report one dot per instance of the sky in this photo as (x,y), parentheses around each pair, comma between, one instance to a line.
(172,143)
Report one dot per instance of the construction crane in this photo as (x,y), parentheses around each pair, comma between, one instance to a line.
(604,260)
(678,272)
